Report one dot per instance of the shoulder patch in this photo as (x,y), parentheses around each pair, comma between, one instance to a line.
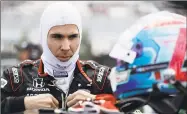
(15,76)
(100,76)
(100,73)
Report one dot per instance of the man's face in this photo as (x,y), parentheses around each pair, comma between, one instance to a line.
(63,41)
(23,55)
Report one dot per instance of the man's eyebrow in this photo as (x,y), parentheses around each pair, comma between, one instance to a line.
(56,34)
(61,35)
(73,34)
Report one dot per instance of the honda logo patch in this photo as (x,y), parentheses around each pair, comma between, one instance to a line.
(38,82)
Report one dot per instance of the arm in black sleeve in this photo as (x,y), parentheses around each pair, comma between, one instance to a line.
(10,102)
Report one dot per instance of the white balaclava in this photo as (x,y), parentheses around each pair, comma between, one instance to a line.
(60,13)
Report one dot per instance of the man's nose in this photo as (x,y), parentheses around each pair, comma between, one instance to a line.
(65,44)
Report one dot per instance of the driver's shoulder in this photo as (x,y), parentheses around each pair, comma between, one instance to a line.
(97,72)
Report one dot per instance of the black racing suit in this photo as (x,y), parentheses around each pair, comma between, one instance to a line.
(28,79)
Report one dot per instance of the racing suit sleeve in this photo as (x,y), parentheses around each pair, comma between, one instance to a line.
(11,101)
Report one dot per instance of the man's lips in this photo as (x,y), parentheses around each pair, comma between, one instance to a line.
(64,56)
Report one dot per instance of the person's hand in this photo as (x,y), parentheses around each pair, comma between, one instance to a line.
(77,96)
(40,101)
(31,112)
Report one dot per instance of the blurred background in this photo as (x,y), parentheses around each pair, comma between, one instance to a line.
(103,21)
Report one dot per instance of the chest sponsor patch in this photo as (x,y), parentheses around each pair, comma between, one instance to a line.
(31,94)
(60,74)
(37,89)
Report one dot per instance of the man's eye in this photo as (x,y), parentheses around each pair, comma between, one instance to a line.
(73,36)
(57,36)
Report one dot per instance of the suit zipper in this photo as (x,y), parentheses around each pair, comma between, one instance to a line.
(62,95)
(67,93)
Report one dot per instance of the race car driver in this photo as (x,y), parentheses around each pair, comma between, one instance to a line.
(59,79)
